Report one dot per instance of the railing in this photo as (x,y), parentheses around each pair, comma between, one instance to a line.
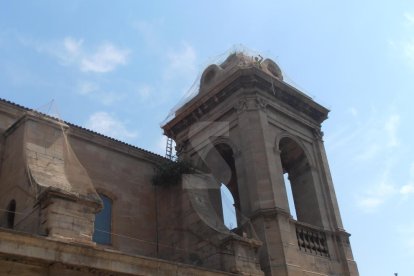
(311,240)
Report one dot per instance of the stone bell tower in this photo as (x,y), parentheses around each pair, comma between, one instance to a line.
(249,129)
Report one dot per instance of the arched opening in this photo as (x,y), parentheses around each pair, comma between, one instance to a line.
(227,204)
(288,186)
(220,163)
(298,175)
(11,213)
(103,222)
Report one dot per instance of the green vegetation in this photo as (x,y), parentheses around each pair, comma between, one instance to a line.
(169,173)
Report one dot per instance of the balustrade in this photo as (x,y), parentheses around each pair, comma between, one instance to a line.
(311,240)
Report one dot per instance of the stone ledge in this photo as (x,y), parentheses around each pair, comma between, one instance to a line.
(45,252)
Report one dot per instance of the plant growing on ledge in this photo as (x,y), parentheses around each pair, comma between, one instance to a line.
(169,173)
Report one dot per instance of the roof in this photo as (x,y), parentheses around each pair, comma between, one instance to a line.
(82,129)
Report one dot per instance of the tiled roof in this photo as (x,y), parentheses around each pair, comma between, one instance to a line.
(23,108)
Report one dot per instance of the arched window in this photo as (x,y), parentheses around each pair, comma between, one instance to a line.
(298,175)
(103,222)
(11,213)
(221,164)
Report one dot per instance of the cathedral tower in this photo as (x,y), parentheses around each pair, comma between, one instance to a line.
(254,132)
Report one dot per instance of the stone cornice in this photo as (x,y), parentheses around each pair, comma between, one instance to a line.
(51,192)
(244,79)
(47,252)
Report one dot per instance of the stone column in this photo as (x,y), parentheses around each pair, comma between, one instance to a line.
(269,211)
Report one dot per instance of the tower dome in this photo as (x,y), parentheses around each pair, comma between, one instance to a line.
(236,60)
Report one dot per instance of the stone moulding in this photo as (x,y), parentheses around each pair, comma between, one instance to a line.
(244,79)
(46,255)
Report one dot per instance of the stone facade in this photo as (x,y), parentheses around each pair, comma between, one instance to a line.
(244,129)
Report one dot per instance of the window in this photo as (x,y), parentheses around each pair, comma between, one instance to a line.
(11,213)
(102,230)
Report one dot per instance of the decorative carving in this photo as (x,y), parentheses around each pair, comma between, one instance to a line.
(251,104)
(261,104)
(318,133)
(272,68)
(241,105)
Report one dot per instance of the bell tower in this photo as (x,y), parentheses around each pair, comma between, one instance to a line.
(252,130)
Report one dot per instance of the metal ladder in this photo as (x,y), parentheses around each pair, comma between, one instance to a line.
(168,149)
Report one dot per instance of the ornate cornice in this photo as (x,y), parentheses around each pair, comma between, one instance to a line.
(244,79)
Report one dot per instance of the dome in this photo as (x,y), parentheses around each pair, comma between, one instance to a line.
(241,60)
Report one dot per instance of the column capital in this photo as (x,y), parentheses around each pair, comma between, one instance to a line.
(318,134)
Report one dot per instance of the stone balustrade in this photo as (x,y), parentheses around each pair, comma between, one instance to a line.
(311,240)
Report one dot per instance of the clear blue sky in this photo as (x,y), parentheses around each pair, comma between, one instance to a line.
(118,67)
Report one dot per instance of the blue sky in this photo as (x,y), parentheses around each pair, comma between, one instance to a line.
(119,67)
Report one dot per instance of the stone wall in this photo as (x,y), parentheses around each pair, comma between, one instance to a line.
(23,254)
(15,183)
(60,169)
